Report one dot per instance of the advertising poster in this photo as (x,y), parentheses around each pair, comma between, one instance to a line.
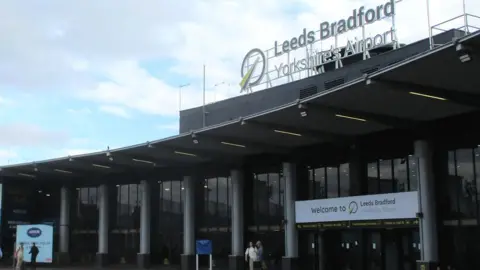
(41,235)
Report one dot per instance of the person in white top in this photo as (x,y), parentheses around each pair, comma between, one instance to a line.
(19,257)
(251,255)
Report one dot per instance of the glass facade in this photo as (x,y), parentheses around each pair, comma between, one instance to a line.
(329,182)
(168,234)
(267,206)
(456,171)
(125,235)
(392,175)
(462,181)
(215,223)
(85,224)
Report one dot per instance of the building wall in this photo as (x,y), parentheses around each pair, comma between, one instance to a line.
(259,101)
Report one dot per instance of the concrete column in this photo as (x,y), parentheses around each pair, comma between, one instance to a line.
(143,258)
(103,225)
(290,261)
(65,200)
(188,256)
(426,191)
(236,260)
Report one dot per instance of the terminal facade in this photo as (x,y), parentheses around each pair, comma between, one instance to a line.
(155,218)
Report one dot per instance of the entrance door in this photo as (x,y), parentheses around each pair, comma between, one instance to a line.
(374,247)
(317,259)
(392,249)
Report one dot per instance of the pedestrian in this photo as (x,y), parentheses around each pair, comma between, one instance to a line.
(251,255)
(19,257)
(33,256)
(261,257)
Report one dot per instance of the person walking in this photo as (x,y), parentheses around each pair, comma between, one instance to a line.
(251,255)
(19,257)
(260,255)
(33,256)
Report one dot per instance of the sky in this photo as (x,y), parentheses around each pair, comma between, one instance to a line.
(82,75)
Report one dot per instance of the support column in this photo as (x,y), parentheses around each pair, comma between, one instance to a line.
(103,231)
(427,208)
(188,256)
(290,261)
(63,255)
(237,257)
(143,258)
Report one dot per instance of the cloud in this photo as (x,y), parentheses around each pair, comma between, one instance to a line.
(83,48)
(115,110)
(13,135)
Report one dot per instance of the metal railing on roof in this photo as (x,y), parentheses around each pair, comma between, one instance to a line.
(465,20)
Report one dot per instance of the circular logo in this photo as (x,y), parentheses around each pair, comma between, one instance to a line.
(253,69)
(352,207)
(34,232)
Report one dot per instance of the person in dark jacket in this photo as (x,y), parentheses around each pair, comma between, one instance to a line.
(33,255)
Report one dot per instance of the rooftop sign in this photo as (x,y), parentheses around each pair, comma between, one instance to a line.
(258,67)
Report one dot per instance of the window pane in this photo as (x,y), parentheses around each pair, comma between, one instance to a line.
(167,196)
(230,199)
(344,180)
(373,178)
(413,173)
(282,193)
(451,188)
(223,199)
(176,197)
(262,198)
(477,174)
(400,174)
(87,210)
(465,183)
(320,183)
(274,200)
(311,184)
(332,182)
(386,177)
(212,197)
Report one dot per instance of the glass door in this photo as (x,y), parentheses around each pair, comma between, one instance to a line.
(351,256)
(374,247)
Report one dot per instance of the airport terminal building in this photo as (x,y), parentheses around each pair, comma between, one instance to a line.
(369,165)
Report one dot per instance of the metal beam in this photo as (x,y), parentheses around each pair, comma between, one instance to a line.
(193,155)
(386,120)
(136,160)
(250,146)
(462,98)
(38,174)
(310,133)
(94,167)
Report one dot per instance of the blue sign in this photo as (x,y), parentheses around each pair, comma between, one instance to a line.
(204,247)
(41,235)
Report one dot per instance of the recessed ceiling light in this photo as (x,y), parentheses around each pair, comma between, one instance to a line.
(427,96)
(185,154)
(351,117)
(27,175)
(287,133)
(100,166)
(62,171)
(233,144)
